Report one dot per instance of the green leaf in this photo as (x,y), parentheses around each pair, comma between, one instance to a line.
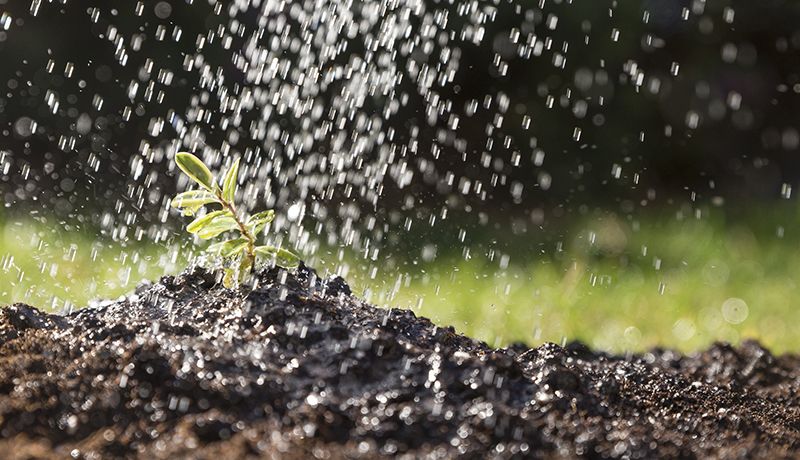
(190,202)
(228,248)
(287,257)
(203,221)
(219,225)
(196,169)
(229,183)
(229,280)
(257,222)
(245,266)
(267,215)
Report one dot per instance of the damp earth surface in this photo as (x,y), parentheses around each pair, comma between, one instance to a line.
(295,366)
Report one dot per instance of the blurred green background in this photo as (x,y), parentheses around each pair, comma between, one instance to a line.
(681,279)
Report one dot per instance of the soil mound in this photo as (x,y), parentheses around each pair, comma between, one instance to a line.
(300,368)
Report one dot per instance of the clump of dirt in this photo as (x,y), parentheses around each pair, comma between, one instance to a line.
(300,368)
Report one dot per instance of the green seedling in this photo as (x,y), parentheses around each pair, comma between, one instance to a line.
(240,253)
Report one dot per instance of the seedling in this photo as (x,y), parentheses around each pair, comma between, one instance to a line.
(240,253)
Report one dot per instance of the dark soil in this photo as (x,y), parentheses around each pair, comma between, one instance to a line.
(302,369)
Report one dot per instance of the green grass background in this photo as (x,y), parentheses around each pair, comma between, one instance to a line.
(616,283)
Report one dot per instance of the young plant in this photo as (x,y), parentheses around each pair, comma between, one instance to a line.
(240,253)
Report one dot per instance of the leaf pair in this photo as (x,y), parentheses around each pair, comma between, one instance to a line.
(199,172)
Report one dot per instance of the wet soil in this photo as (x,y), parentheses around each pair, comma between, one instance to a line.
(300,368)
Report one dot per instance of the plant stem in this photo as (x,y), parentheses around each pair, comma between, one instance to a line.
(251,241)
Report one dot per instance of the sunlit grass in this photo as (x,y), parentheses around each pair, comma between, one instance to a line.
(59,270)
(615,285)
(666,284)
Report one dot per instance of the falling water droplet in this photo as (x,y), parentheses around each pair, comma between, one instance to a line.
(786,191)
(35,5)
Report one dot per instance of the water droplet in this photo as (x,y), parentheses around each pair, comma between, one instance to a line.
(35,5)
(786,191)
(25,127)
(163,10)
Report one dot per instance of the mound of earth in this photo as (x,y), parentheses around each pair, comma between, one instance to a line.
(299,368)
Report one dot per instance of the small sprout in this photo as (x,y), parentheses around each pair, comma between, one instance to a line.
(240,252)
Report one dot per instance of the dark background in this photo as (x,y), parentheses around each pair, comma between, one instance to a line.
(722,130)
